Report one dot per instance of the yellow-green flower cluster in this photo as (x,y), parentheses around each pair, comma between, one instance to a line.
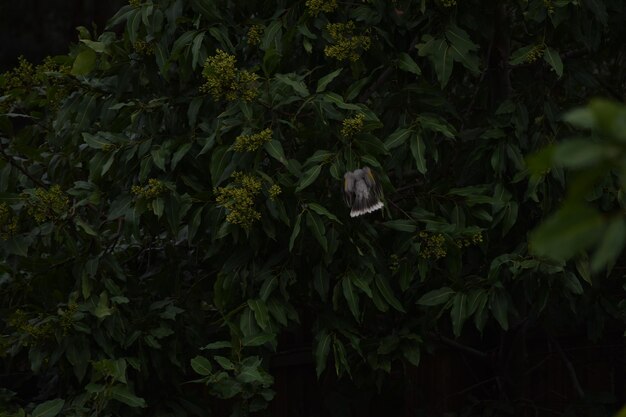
(143,48)
(251,143)
(474,239)
(223,79)
(152,190)
(535,53)
(67,316)
(314,7)
(448,3)
(274,191)
(26,75)
(352,125)
(8,222)
(394,263)
(47,205)
(346,45)
(37,331)
(135,3)
(239,198)
(254,34)
(432,246)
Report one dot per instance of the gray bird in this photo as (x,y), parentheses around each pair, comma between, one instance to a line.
(361,191)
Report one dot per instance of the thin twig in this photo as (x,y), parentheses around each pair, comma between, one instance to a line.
(11,161)
(457,345)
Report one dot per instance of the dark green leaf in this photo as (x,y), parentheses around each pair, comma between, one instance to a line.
(49,408)
(436,297)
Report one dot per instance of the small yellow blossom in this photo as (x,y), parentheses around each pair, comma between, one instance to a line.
(314,7)
(223,79)
(274,191)
(432,246)
(8,222)
(134,3)
(352,125)
(47,205)
(143,48)
(346,45)
(535,53)
(254,34)
(154,189)
(238,199)
(251,143)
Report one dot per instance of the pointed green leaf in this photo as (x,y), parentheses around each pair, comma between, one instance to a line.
(499,305)
(49,408)
(418,149)
(351,297)
(398,138)
(275,150)
(295,232)
(123,394)
(318,229)
(458,313)
(324,340)
(309,177)
(385,290)
(201,365)
(406,63)
(611,245)
(436,297)
(325,80)
(552,57)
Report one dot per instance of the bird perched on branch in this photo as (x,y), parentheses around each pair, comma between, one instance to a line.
(362,192)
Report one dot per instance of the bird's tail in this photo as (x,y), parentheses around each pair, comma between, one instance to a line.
(366,205)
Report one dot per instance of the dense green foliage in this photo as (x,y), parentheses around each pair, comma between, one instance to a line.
(170,194)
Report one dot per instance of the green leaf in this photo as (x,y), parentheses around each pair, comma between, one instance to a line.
(294,82)
(123,394)
(318,229)
(499,304)
(49,408)
(351,297)
(385,290)
(260,313)
(418,149)
(268,286)
(406,63)
(458,313)
(361,283)
(572,283)
(225,363)
(295,232)
(521,55)
(258,339)
(412,354)
(275,150)
(84,62)
(219,161)
(324,340)
(201,365)
(573,228)
(552,57)
(398,138)
(408,226)
(308,177)
(582,153)
(325,80)
(611,244)
(436,297)
(323,212)
(442,57)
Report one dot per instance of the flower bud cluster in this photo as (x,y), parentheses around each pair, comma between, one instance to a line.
(223,79)
(250,143)
(314,7)
(8,222)
(47,205)
(352,125)
(238,198)
(432,246)
(152,190)
(346,45)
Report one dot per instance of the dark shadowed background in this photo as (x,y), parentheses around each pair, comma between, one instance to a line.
(38,28)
